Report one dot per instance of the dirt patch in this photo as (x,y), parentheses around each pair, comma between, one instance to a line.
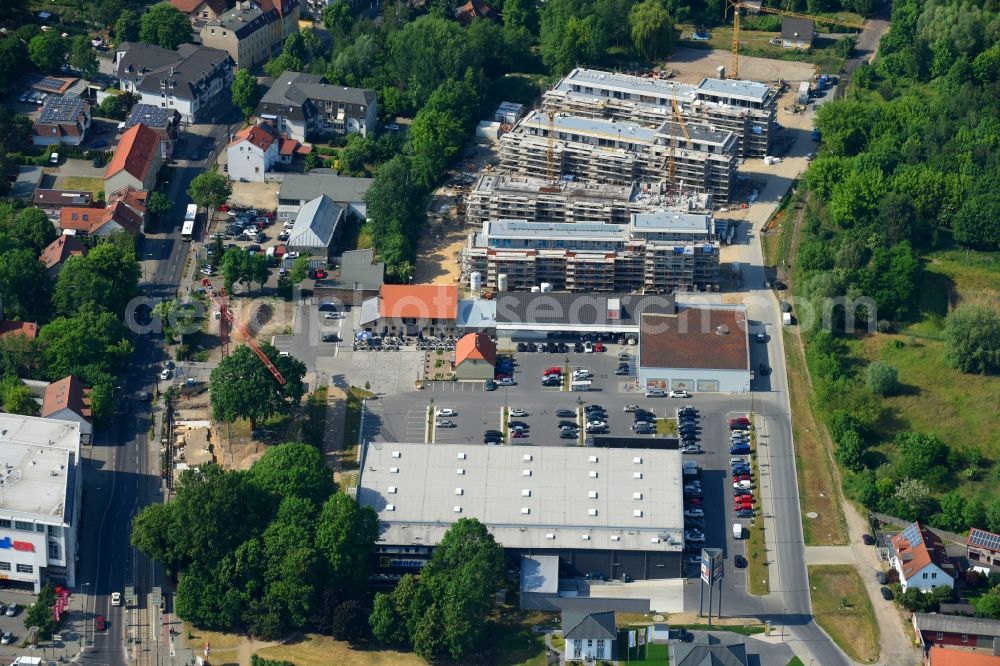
(262,196)
(439,253)
(315,650)
(692,65)
(842,607)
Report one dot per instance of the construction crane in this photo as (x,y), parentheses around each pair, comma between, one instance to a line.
(678,119)
(736,6)
(221,299)
(550,150)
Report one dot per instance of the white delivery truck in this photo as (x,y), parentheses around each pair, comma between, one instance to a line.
(804,92)
(737,531)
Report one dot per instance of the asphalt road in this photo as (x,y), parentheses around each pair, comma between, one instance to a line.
(121,470)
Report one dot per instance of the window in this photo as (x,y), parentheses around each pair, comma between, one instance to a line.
(934,574)
(940,636)
(25,568)
(54,551)
(40,528)
(965,638)
(600,647)
(21,525)
(590,642)
(4,566)
(925,576)
(5,523)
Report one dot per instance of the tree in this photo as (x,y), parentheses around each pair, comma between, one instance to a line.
(32,227)
(165,26)
(282,63)
(345,535)
(881,378)
(851,451)
(81,56)
(300,270)
(106,278)
(295,470)
(969,225)
(127,27)
(350,622)
(245,92)
(159,204)
(24,285)
(83,344)
(912,499)
(988,605)
(243,387)
(210,189)
(922,456)
(13,55)
(338,18)
(116,107)
(47,51)
(40,614)
(385,621)
(233,266)
(17,398)
(972,339)
(652,29)
(952,516)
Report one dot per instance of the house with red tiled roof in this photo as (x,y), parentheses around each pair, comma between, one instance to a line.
(200,11)
(253,152)
(136,162)
(410,309)
(59,250)
(474,9)
(969,637)
(118,215)
(941,656)
(919,558)
(695,349)
(11,328)
(68,400)
(475,357)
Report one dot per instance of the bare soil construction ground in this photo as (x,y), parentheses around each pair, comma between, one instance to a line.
(691,65)
(262,196)
(438,252)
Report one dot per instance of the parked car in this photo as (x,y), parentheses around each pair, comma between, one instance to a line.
(622,369)
(744,513)
(490,385)
(743,484)
(568,434)
(165,374)
(331,337)
(881,578)
(868,539)
(740,562)
(12,610)
(447,411)
(7,638)
(506,381)
(517,411)
(631,408)
(680,394)
(655,393)
(116,598)
(598,347)
(99,623)
(742,420)
(886,593)
(565,413)
(518,434)
(444,423)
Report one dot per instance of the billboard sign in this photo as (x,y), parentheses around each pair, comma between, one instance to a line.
(711,565)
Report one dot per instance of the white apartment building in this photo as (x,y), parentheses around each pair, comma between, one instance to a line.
(40,488)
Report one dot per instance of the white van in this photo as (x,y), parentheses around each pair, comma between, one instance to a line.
(737,531)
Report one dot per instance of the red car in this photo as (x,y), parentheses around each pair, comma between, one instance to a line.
(518,434)
(224,208)
(741,477)
(740,507)
(598,346)
(320,275)
(99,624)
(553,371)
(740,420)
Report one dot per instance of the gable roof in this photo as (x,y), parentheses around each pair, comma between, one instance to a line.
(188,6)
(420,301)
(577,625)
(472,10)
(148,66)
(51,198)
(90,220)
(916,547)
(797,29)
(62,249)
(342,189)
(67,393)
(316,223)
(261,136)
(135,153)
(292,93)
(359,270)
(25,328)
(475,346)
(956,624)
(700,654)
(695,338)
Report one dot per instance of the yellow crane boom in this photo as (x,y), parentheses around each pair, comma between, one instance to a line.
(736,6)
(671,158)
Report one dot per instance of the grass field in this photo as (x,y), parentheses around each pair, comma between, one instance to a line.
(818,491)
(795,662)
(82,183)
(758,574)
(842,607)
(323,650)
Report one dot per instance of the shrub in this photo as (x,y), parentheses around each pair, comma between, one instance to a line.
(881,378)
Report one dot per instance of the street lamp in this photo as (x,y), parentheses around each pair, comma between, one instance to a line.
(83,609)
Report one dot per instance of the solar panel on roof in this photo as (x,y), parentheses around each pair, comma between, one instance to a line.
(912,535)
(984,539)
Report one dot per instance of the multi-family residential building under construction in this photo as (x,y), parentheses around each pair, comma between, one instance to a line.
(496,196)
(746,108)
(658,252)
(691,158)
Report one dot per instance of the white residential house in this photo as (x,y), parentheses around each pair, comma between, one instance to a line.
(920,560)
(252,153)
(589,636)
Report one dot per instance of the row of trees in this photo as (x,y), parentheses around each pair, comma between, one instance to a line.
(908,165)
(81,311)
(268,550)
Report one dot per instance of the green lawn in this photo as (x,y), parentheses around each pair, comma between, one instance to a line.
(842,607)
(651,653)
